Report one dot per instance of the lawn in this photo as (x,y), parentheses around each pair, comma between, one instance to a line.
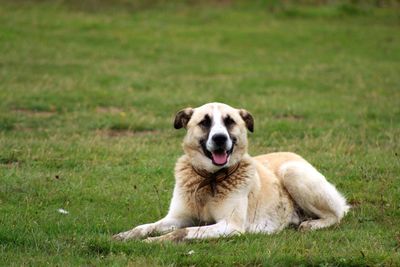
(88,96)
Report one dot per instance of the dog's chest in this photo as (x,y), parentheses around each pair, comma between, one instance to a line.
(202,203)
(204,199)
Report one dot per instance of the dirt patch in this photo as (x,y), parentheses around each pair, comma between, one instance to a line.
(35,113)
(22,128)
(354,203)
(289,117)
(124,133)
(109,110)
(10,161)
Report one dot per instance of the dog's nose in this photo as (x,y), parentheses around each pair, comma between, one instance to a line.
(219,139)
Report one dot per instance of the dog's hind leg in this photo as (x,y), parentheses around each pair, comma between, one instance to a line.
(313,194)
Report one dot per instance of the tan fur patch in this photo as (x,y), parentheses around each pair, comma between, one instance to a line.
(196,198)
(274,161)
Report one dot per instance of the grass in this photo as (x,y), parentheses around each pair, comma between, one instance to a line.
(87,102)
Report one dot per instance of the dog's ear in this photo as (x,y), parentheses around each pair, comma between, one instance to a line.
(248,119)
(182,118)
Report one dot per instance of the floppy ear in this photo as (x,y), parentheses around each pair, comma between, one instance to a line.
(248,119)
(182,118)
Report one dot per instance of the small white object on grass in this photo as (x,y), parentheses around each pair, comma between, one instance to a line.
(190,252)
(62,211)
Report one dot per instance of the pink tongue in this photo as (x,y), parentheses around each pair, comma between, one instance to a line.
(220,158)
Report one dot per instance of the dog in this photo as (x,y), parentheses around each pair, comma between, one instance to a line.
(220,190)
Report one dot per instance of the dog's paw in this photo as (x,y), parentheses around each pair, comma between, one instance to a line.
(160,239)
(305,226)
(175,236)
(155,239)
(120,236)
(136,233)
(123,236)
(308,226)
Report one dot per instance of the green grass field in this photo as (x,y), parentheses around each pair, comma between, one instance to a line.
(87,103)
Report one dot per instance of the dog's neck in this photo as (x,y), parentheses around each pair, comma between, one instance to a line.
(213,178)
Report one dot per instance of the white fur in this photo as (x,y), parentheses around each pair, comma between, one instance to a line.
(310,190)
(218,127)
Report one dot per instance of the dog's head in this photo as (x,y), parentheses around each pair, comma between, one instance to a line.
(216,134)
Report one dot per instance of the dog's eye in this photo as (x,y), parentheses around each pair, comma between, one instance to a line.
(206,122)
(228,121)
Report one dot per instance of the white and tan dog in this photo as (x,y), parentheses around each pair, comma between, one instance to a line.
(220,190)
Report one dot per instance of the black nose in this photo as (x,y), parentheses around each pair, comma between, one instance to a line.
(219,139)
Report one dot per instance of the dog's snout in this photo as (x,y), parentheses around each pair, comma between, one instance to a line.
(219,139)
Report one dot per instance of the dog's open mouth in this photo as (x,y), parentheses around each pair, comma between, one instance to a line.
(218,157)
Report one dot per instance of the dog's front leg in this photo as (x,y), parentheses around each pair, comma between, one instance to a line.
(220,229)
(176,218)
(230,216)
(164,225)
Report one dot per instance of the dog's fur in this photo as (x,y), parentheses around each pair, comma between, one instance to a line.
(264,194)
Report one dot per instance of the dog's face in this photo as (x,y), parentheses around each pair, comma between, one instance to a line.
(216,134)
